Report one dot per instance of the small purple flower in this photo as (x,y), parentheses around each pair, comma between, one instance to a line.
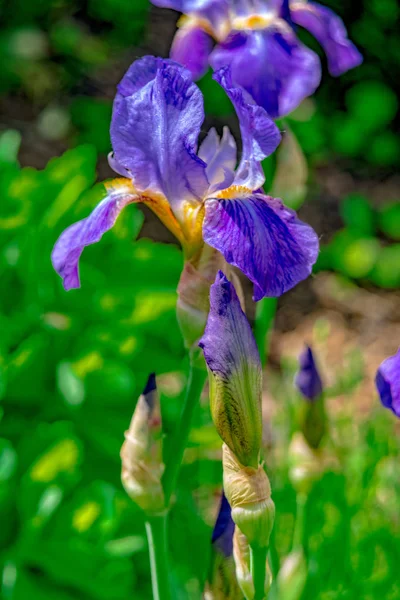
(308,380)
(196,192)
(257,39)
(388,383)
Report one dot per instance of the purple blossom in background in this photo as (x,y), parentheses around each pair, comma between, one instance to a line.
(198,192)
(308,380)
(257,39)
(222,536)
(388,383)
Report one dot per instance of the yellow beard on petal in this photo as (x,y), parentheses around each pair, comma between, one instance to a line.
(253,22)
(234,191)
(187,230)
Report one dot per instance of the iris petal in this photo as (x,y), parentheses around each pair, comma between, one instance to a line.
(330,32)
(191,47)
(260,135)
(388,383)
(156,121)
(220,156)
(271,65)
(264,239)
(71,243)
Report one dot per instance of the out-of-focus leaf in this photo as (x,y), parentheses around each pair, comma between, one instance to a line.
(357,213)
(290,181)
(389,220)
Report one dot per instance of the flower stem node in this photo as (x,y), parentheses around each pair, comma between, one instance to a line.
(141,453)
(249,493)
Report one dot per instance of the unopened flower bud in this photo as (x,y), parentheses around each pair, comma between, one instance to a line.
(234,367)
(292,575)
(141,453)
(308,382)
(241,553)
(222,583)
(249,493)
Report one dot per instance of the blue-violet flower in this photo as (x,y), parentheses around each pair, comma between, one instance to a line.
(257,38)
(388,383)
(157,116)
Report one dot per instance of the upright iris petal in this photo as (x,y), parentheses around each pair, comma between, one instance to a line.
(234,364)
(158,112)
(260,135)
(264,239)
(330,32)
(388,383)
(308,379)
(272,65)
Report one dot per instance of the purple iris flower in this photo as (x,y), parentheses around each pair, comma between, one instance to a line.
(308,380)
(257,39)
(196,191)
(388,383)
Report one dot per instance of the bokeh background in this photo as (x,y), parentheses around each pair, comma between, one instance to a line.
(72,364)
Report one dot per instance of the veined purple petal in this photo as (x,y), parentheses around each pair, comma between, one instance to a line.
(191,48)
(330,32)
(388,383)
(220,157)
(264,239)
(222,536)
(69,246)
(260,135)
(271,65)
(156,120)
(308,380)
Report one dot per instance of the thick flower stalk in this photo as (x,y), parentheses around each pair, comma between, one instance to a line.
(234,368)
(257,39)
(196,191)
(141,453)
(388,383)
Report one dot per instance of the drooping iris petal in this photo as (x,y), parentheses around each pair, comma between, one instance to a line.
(234,364)
(260,135)
(222,536)
(271,65)
(69,246)
(220,157)
(191,48)
(156,120)
(388,383)
(308,379)
(330,32)
(264,239)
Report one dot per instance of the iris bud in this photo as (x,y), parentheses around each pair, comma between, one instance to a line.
(141,453)
(241,553)
(309,384)
(249,493)
(234,373)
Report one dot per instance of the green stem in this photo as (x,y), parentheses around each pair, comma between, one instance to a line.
(157,538)
(194,388)
(265,316)
(258,567)
(298,534)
